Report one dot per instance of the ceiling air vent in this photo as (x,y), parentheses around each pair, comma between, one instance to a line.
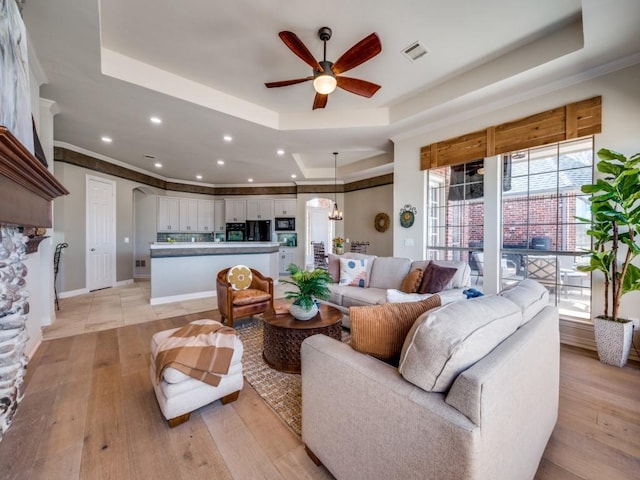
(414,51)
(150,156)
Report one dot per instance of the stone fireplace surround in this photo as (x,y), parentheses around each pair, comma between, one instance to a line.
(27,189)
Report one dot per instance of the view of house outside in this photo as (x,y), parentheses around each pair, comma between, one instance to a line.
(541,237)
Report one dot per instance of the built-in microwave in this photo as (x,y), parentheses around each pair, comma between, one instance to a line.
(285,224)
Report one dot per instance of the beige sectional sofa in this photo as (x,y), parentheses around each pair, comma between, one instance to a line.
(385,273)
(441,414)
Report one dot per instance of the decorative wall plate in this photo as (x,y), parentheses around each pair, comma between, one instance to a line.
(381,222)
(407,215)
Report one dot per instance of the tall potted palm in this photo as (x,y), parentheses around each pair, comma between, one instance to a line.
(615,223)
(311,285)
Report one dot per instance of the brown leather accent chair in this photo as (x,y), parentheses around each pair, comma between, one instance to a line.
(234,304)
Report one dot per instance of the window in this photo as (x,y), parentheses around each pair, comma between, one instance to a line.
(539,229)
(541,238)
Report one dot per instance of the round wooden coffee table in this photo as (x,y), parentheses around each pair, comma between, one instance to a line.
(283,336)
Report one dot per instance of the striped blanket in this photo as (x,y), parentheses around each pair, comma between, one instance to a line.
(200,350)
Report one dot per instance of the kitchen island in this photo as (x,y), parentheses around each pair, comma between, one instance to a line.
(185,271)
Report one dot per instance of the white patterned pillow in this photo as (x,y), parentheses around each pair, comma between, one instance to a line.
(353,272)
(396,296)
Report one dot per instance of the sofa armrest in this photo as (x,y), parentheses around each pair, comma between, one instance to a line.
(363,420)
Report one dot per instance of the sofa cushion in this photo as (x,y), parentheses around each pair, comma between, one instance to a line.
(461,279)
(333,266)
(530,296)
(389,272)
(353,272)
(446,341)
(411,282)
(249,296)
(436,278)
(380,330)
(397,296)
(353,296)
(358,256)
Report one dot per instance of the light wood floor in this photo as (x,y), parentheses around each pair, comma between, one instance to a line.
(89,413)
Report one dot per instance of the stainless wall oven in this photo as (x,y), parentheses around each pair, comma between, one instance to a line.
(236,232)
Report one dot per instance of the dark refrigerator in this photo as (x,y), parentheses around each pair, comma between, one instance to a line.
(258,230)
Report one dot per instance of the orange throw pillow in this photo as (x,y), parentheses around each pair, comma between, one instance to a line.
(380,330)
(412,281)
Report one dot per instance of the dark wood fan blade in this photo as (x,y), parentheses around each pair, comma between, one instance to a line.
(320,101)
(364,50)
(357,86)
(284,83)
(292,41)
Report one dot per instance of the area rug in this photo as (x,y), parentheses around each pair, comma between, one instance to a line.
(281,391)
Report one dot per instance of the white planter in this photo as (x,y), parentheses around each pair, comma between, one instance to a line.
(301,314)
(613,340)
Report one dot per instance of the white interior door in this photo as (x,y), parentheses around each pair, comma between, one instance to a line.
(320,229)
(101,233)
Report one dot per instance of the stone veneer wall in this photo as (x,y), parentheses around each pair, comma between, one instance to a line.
(13,317)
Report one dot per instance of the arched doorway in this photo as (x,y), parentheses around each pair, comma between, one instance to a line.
(319,227)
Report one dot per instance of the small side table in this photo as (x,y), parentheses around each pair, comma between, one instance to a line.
(283,336)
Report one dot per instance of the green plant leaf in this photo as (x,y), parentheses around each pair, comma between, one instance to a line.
(607,154)
(608,167)
(631,280)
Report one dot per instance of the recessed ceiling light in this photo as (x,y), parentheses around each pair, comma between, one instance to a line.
(157,165)
(227,138)
(280,151)
(199,177)
(107,139)
(220,162)
(157,120)
(293,175)
(250,180)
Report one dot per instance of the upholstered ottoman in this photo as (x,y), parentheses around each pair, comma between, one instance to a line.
(179,394)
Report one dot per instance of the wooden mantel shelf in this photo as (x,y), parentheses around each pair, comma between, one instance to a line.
(26,186)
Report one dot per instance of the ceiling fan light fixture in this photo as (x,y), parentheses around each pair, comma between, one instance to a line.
(325,83)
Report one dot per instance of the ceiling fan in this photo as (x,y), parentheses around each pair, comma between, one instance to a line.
(327,75)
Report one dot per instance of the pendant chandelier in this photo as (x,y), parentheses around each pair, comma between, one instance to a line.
(335,213)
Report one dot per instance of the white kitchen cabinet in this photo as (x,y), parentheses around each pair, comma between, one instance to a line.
(168,214)
(259,209)
(188,214)
(235,210)
(286,257)
(218,215)
(206,216)
(285,207)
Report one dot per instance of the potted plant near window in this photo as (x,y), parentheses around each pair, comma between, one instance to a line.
(615,211)
(311,285)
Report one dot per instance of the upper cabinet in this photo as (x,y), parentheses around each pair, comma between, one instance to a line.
(168,217)
(235,210)
(259,209)
(218,215)
(285,207)
(188,215)
(206,216)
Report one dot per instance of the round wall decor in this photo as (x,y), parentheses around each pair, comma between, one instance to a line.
(381,222)
(407,215)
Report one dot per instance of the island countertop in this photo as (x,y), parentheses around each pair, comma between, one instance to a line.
(191,249)
(187,270)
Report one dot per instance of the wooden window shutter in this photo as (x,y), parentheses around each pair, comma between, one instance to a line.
(574,120)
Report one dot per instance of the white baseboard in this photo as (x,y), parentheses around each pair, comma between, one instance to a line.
(182,298)
(32,352)
(580,334)
(122,283)
(143,276)
(73,293)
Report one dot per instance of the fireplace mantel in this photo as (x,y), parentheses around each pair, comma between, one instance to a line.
(26,186)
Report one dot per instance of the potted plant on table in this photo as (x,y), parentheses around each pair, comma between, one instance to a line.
(311,285)
(615,222)
(338,245)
